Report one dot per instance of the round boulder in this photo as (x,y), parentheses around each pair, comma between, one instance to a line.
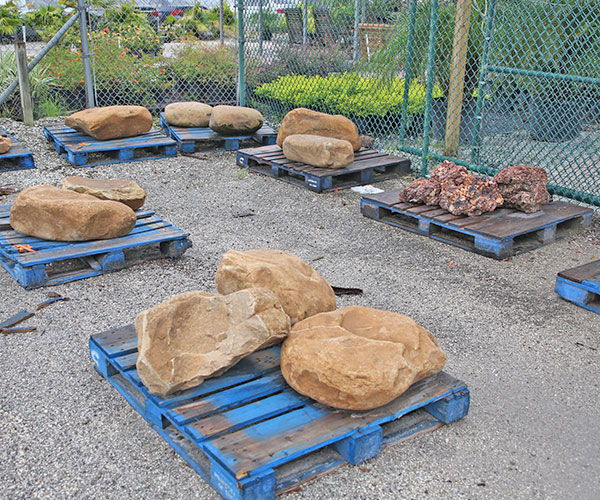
(358,358)
(317,151)
(188,114)
(58,214)
(111,122)
(235,120)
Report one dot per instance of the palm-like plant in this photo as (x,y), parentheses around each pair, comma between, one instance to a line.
(10,19)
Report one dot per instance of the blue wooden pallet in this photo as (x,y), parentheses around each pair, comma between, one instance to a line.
(581,285)
(36,269)
(18,157)
(81,150)
(369,166)
(188,138)
(251,436)
(499,234)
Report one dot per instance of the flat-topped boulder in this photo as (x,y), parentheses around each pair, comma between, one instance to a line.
(111,122)
(301,290)
(188,114)
(318,151)
(306,121)
(5,144)
(195,335)
(358,358)
(235,120)
(124,191)
(51,213)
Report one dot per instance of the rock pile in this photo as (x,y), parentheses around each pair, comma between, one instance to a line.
(124,191)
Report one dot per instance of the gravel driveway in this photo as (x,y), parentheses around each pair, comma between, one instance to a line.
(530,359)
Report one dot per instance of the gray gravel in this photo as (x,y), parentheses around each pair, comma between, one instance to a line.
(531,360)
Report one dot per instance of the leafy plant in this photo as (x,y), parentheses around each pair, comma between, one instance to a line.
(46,20)
(9,18)
(201,22)
(205,64)
(125,14)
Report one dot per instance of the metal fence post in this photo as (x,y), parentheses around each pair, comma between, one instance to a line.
(241,61)
(407,70)
(429,95)
(85,54)
(355,37)
(24,84)
(221,27)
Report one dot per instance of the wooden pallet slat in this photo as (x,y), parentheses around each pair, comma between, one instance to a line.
(581,285)
(499,234)
(35,269)
(76,147)
(191,139)
(18,157)
(369,166)
(251,436)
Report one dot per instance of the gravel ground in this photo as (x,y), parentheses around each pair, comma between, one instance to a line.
(529,358)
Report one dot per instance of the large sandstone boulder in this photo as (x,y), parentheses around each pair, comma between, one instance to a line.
(357,358)
(57,214)
(111,122)
(5,143)
(523,187)
(318,151)
(196,335)
(306,121)
(301,290)
(188,114)
(235,120)
(125,191)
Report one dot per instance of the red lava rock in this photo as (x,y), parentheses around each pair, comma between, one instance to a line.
(523,187)
(469,194)
(421,190)
(447,171)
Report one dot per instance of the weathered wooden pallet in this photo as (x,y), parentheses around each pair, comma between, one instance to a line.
(18,157)
(190,138)
(369,166)
(81,150)
(251,436)
(54,262)
(581,285)
(499,234)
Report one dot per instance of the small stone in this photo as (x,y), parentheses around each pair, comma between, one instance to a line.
(470,195)
(111,122)
(188,114)
(306,121)
(318,151)
(58,214)
(235,120)
(524,187)
(5,144)
(358,358)
(124,191)
(366,141)
(421,190)
(300,289)
(195,335)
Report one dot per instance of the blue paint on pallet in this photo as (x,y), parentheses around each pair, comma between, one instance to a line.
(76,147)
(581,285)
(369,166)
(251,436)
(499,234)
(189,138)
(18,157)
(34,269)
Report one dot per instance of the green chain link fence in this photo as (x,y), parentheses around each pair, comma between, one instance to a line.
(486,83)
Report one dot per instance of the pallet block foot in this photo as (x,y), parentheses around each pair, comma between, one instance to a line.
(113,261)
(77,159)
(30,277)
(363,444)
(125,154)
(101,363)
(176,248)
(231,144)
(259,486)
(451,408)
(187,147)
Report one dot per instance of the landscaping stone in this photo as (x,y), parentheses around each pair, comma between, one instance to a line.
(470,195)
(358,358)
(421,190)
(195,335)
(318,151)
(124,191)
(111,122)
(58,214)
(523,187)
(5,143)
(235,120)
(301,290)
(188,114)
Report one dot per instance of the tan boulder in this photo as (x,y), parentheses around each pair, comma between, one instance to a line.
(306,121)
(121,190)
(235,120)
(111,122)
(358,358)
(318,151)
(188,114)
(195,335)
(57,214)
(5,144)
(301,290)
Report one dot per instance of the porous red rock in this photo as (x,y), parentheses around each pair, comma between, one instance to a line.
(523,187)
(470,194)
(111,122)
(421,190)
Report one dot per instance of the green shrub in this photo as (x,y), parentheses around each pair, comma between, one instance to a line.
(199,22)
(205,64)
(46,20)
(347,94)
(9,18)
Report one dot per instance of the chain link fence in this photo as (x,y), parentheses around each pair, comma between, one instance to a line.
(486,83)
